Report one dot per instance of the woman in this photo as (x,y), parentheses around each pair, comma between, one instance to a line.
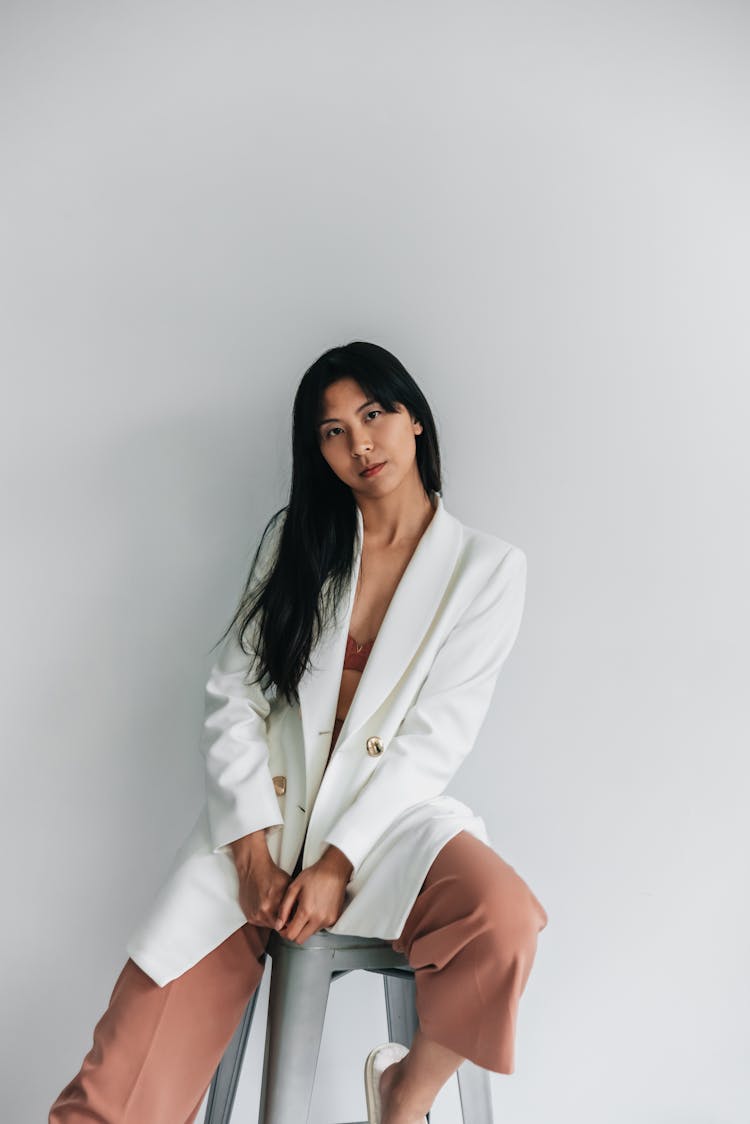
(373,623)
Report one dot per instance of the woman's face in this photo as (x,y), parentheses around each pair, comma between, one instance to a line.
(356,432)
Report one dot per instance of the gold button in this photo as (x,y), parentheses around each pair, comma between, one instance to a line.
(374,746)
(279,783)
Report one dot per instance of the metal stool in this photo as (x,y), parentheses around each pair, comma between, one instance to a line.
(301,976)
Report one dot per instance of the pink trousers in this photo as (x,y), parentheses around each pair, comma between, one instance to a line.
(470,937)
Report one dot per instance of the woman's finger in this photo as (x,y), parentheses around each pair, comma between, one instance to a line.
(308,930)
(292,892)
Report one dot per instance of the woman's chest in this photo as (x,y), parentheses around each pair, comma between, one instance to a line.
(380,572)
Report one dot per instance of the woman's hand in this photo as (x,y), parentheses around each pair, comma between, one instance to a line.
(261,887)
(319,891)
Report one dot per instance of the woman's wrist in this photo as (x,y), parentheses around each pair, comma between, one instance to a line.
(337,860)
(250,849)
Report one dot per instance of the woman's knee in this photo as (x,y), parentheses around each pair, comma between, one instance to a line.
(514,912)
(492,889)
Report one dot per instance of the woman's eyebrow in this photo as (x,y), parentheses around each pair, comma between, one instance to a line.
(369,402)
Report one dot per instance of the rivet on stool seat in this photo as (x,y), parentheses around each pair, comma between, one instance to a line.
(301,977)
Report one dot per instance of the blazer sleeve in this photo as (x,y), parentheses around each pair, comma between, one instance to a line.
(441,726)
(240,794)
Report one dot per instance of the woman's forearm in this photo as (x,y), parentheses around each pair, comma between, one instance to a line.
(250,849)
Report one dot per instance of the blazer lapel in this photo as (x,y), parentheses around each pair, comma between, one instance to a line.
(410,612)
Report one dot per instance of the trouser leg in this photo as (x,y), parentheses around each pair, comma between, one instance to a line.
(471,938)
(155,1049)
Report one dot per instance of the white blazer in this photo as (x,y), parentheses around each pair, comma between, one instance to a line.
(415,715)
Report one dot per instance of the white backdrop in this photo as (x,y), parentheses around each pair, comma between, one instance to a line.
(541,208)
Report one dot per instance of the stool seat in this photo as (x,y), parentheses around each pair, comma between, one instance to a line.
(301,977)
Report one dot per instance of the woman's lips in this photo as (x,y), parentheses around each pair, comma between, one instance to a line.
(372,471)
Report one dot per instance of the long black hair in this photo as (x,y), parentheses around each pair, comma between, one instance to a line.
(313,535)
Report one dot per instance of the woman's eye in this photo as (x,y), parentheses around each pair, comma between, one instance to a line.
(334,428)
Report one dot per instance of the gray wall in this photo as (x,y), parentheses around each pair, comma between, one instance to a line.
(542,209)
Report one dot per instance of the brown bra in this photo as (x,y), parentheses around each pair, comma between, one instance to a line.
(356,657)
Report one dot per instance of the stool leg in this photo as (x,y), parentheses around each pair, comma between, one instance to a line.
(226,1078)
(475,1093)
(401,1007)
(300,981)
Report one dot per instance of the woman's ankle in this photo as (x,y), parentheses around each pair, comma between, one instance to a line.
(402,1101)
